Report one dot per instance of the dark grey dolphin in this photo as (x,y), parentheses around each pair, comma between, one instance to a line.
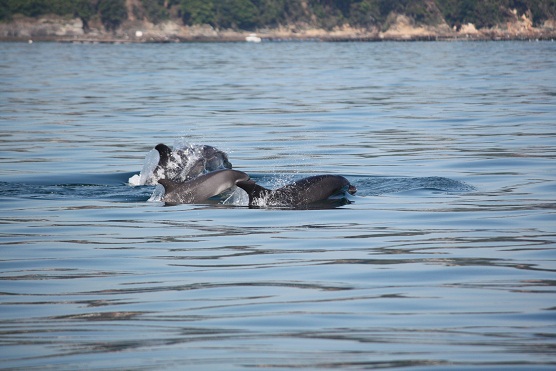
(187,163)
(302,192)
(200,188)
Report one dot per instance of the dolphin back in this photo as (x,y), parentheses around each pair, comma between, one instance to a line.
(315,188)
(302,192)
(201,188)
(309,190)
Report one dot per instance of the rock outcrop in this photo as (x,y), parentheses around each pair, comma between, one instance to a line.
(398,27)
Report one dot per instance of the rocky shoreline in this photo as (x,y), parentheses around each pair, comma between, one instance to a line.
(402,28)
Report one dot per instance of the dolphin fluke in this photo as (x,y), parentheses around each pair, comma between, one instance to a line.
(302,192)
(201,188)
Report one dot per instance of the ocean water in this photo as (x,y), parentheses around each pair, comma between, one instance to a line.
(444,259)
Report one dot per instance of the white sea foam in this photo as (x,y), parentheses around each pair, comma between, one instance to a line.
(135,180)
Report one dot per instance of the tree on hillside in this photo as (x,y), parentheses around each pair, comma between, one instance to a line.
(198,12)
(488,13)
(541,10)
(112,13)
(240,14)
(271,12)
(365,13)
(155,10)
(30,8)
(84,10)
(250,14)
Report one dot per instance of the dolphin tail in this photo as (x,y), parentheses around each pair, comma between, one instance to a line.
(254,191)
(169,185)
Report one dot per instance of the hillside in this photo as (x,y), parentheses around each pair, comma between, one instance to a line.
(183,20)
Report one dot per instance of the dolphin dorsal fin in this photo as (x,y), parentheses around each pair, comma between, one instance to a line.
(254,191)
(169,185)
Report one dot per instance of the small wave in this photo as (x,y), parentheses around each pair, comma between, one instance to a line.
(71,179)
(75,191)
(115,187)
(374,186)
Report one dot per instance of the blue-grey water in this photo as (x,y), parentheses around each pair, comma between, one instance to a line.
(444,259)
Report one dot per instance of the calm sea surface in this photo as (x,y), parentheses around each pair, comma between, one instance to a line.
(445,259)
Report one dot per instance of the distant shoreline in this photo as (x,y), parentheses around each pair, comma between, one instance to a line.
(71,30)
(272,39)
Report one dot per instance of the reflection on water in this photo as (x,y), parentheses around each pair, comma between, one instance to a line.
(445,257)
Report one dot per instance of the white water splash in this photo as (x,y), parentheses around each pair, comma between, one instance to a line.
(149,164)
(185,162)
(158,194)
(237,197)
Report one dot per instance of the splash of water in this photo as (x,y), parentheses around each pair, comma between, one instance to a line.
(185,162)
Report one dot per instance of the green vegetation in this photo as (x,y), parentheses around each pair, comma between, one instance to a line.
(198,12)
(154,10)
(112,13)
(252,14)
(487,13)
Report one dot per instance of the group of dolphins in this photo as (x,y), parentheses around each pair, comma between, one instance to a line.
(192,178)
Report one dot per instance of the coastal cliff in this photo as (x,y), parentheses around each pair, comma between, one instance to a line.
(357,20)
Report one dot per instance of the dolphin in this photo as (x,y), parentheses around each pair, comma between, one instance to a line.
(300,193)
(188,163)
(201,188)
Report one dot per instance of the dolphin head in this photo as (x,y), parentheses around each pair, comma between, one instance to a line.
(164,152)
